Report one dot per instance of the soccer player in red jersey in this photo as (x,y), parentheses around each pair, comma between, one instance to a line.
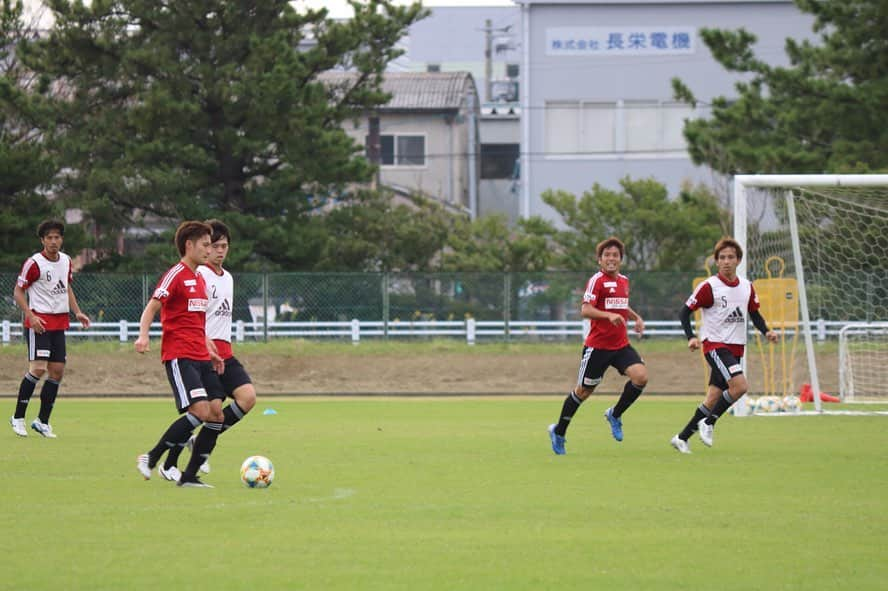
(44,293)
(235,381)
(606,304)
(189,357)
(726,300)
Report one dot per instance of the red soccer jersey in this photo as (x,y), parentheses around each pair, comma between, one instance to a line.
(44,282)
(183,295)
(609,294)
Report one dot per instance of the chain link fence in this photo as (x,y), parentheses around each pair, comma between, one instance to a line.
(355,305)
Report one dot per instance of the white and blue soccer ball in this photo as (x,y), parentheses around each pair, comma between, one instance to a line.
(791,404)
(768,404)
(257,472)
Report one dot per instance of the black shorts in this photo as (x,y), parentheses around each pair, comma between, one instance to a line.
(192,381)
(232,378)
(46,346)
(594,362)
(724,367)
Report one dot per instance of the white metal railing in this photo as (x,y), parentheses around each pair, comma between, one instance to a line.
(470,329)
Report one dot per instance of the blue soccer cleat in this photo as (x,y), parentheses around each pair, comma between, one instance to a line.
(558,441)
(615,424)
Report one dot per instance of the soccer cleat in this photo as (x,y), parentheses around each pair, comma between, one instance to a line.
(558,441)
(192,482)
(172,473)
(18,426)
(205,467)
(43,428)
(142,466)
(706,432)
(680,444)
(616,424)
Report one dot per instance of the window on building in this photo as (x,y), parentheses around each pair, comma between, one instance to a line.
(433,67)
(400,150)
(581,127)
(512,70)
(498,160)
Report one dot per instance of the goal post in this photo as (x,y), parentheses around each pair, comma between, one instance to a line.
(830,234)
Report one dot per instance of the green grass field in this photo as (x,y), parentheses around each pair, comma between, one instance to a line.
(450,494)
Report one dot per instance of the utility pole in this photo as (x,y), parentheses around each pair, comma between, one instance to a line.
(488,60)
(374,148)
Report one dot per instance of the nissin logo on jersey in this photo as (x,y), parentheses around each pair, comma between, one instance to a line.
(197,305)
(616,303)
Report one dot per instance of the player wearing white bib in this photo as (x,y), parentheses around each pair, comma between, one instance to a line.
(45,295)
(234,381)
(726,301)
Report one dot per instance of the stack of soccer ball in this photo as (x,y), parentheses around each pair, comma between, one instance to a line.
(774,404)
(257,472)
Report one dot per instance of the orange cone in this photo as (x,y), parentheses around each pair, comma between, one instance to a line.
(806,394)
(828,398)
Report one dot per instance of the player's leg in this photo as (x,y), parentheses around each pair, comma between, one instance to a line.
(239,387)
(49,392)
(191,402)
(38,358)
(629,363)
(206,438)
(589,376)
(735,385)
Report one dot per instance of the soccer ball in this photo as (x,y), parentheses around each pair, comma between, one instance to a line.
(257,472)
(791,404)
(768,404)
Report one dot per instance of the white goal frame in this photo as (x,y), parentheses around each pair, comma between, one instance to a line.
(744,181)
(846,376)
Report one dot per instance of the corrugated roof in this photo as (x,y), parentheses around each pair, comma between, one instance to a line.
(412,91)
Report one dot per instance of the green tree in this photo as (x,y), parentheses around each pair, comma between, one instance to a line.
(489,244)
(25,166)
(825,112)
(378,232)
(661,234)
(200,108)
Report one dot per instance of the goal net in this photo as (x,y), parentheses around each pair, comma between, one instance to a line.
(863,357)
(816,249)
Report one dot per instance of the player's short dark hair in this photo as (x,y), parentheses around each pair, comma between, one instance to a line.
(220,230)
(190,230)
(47,226)
(728,242)
(607,243)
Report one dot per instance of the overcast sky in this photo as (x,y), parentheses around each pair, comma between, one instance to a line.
(340,8)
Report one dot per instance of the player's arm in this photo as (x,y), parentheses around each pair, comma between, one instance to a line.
(145,321)
(75,307)
(758,321)
(639,322)
(684,315)
(590,311)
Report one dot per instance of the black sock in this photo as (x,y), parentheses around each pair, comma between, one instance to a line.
(701,413)
(176,434)
(26,390)
(48,394)
(723,403)
(630,394)
(232,413)
(568,409)
(203,447)
(173,455)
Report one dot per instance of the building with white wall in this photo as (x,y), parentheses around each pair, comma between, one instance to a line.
(596,92)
